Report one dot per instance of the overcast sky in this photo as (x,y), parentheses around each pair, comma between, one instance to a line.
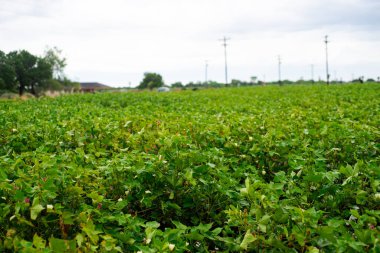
(115,41)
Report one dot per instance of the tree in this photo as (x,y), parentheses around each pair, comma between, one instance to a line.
(177,85)
(23,63)
(151,80)
(26,72)
(40,74)
(53,57)
(7,73)
(31,71)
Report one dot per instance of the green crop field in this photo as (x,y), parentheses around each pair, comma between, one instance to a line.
(258,169)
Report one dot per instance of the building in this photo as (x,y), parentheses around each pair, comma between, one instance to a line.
(93,86)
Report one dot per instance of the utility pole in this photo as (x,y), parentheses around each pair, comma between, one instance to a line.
(312,73)
(206,67)
(279,70)
(327,62)
(225,57)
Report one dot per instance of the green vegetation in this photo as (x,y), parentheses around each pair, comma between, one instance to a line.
(24,72)
(253,169)
(151,81)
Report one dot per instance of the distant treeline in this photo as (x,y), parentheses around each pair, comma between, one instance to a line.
(236,83)
(21,71)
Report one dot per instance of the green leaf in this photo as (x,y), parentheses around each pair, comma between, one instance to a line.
(80,239)
(152,224)
(358,246)
(265,219)
(247,188)
(312,249)
(189,177)
(91,232)
(19,196)
(355,213)
(179,225)
(248,238)
(62,246)
(36,209)
(67,218)
(263,228)
(39,242)
(204,227)
(216,231)
(96,198)
(361,197)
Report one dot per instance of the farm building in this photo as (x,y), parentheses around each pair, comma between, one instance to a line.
(93,86)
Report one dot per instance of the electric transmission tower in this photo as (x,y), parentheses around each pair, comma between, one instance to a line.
(327,62)
(225,58)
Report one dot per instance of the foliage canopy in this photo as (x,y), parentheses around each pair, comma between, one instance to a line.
(23,71)
(280,169)
(151,81)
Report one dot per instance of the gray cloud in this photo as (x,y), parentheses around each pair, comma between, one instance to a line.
(12,10)
(101,38)
(356,15)
(327,15)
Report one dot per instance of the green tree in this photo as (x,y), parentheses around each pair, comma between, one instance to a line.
(40,74)
(151,80)
(177,85)
(23,63)
(31,71)
(7,73)
(58,63)
(26,72)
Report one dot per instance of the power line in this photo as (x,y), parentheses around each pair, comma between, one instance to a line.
(225,57)
(327,62)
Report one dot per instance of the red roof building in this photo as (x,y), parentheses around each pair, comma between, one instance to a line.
(93,86)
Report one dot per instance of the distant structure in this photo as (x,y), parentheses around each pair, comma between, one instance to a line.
(312,73)
(327,62)
(163,89)
(206,68)
(93,86)
(225,58)
(279,70)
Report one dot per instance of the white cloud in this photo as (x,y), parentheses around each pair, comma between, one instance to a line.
(116,41)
